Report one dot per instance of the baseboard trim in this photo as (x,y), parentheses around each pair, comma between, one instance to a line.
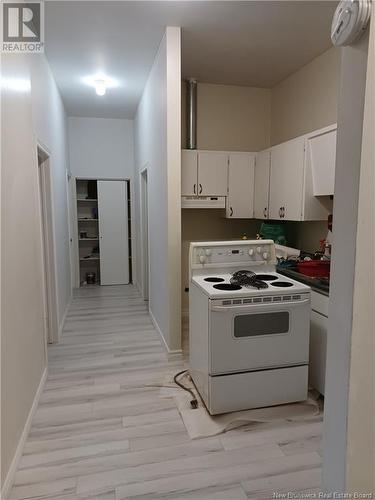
(169,351)
(5,490)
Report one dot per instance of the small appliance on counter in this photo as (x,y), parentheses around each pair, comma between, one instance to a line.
(249,327)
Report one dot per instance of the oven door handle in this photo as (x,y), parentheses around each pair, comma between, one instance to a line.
(251,307)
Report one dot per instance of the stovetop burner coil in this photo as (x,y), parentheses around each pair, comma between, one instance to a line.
(248,279)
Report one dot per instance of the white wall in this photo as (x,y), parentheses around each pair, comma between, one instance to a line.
(344,260)
(33,112)
(361,409)
(101,147)
(50,128)
(158,147)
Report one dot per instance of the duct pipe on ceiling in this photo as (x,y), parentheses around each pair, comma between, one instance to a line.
(191,114)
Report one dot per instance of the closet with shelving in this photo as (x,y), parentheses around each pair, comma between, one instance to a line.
(103,231)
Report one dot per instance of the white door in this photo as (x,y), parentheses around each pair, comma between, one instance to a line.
(189,173)
(286,181)
(240,200)
(212,173)
(262,184)
(113,233)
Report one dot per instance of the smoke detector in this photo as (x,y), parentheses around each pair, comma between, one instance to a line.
(350,21)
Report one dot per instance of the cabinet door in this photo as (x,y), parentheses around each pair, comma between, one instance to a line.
(241,186)
(212,173)
(189,173)
(321,158)
(318,351)
(286,181)
(113,233)
(262,184)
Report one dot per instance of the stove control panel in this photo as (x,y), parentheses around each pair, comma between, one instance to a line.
(247,252)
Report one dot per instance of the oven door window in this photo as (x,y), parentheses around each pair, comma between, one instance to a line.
(253,325)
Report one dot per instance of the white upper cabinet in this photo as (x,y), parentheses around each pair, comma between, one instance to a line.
(286,181)
(298,167)
(240,200)
(212,173)
(321,159)
(262,184)
(189,173)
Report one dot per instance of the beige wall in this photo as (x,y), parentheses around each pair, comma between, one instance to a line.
(157,133)
(361,416)
(230,117)
(22,324)
(306,100)
(31,111)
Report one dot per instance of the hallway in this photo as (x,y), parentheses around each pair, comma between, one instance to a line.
(102,432)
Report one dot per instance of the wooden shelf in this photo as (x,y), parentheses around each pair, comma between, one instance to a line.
(87,199)
(87,220)
(82,259)
(88,239)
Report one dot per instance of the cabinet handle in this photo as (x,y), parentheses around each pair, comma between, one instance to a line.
(200,189)
(265,212)
(283,208)
(231,211)
(280,212)
(195,189)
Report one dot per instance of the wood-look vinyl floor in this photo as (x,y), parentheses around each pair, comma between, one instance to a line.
(101,431)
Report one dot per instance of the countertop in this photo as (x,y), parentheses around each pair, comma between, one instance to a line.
(316,284)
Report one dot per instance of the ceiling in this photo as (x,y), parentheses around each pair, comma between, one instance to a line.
(256,43)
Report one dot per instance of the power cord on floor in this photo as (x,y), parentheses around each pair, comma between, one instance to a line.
(194,401)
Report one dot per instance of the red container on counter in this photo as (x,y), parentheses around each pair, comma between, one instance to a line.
(315,268)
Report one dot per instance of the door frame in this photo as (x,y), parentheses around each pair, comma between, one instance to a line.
(145,235)
(75,229)
(45,195)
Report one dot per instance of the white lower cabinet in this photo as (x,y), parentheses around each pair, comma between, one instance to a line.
(318,341)
(240,201)
(318,351)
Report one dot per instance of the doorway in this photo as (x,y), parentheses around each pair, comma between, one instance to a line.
(144,233)
(48,250)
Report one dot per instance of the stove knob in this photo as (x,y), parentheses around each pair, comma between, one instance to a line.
(208,252)
(202,259)
(265,255)
(251,251)
(259,249)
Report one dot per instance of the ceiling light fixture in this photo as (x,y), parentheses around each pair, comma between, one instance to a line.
(100,82)
(100,87)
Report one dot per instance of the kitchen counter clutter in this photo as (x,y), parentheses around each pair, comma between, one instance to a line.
(320,285)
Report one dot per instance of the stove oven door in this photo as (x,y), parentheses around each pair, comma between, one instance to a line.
(258,336)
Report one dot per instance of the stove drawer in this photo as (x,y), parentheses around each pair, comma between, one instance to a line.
(260,336)
(242,391)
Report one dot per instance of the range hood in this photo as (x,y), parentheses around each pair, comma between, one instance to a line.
(202,201)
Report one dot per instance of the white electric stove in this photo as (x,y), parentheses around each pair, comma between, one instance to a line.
(249,327)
